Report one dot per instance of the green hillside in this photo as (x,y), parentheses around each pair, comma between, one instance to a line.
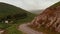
(14,14)
(10,10)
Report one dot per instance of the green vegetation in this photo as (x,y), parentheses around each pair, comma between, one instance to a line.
(6,9)
(10,13)
(13,30)
(4,25)
(14,14)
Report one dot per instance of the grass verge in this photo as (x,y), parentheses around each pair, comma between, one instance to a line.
(13,28)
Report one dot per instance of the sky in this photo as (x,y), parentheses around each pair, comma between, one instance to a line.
(31,4)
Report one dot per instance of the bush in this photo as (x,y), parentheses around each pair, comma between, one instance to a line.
(4,25)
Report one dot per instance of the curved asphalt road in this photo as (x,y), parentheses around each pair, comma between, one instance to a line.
(26,29)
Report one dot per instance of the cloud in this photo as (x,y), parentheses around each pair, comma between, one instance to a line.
(31,4)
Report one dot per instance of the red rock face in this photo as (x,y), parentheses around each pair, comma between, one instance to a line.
(50,18)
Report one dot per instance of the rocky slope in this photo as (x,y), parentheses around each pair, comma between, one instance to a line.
(49,18)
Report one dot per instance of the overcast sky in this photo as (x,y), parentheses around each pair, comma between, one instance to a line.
(31,4)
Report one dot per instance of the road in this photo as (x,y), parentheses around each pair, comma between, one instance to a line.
(28,30)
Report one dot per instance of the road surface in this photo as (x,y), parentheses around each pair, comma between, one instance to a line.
(28,30)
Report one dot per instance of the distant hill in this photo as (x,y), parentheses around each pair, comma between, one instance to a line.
(36,11)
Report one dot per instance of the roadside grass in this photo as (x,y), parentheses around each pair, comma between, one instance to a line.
(3,25)
(13,29)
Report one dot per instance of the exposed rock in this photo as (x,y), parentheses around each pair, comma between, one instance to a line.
(6,21)
(49,18)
